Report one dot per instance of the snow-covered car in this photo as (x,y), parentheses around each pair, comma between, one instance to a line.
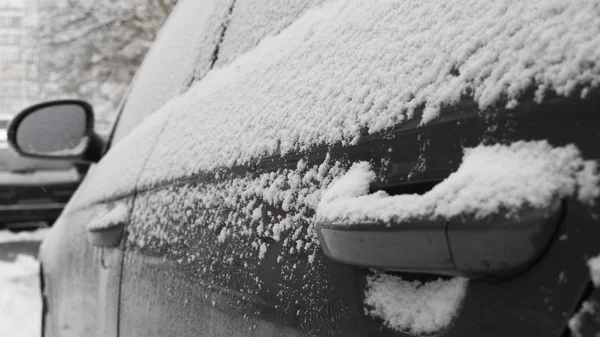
(33,192)
(336,168)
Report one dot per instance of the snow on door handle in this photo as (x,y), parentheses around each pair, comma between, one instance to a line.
(107,229)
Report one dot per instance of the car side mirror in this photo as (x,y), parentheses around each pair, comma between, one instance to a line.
(62,129)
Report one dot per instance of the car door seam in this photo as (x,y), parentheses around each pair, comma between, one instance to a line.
(215,54)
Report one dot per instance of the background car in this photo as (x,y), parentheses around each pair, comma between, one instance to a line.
(33,192)
(337,168)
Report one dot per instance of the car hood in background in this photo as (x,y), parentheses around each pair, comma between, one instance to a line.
(10,161)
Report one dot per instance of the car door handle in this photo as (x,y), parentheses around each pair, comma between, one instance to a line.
(107,229)
(496,245)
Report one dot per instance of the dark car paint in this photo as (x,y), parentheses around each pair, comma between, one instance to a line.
(538,302)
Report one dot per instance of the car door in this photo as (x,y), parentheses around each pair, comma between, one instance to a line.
(204,259)
(223,238)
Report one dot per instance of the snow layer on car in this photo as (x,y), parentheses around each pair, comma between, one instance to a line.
(353,66)
(183,45)
(594,265)
(119,170)
(238,209)
(586,314)
(118,215)
(490,179)
(253,20)
(350,66)
(415,307)
(20,300)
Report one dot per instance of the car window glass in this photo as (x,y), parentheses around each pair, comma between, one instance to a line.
(183,45)
(253,20)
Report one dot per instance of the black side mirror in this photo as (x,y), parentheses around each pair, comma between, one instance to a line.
(61,129)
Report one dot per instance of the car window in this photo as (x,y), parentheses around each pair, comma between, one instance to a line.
(182,46)
(251,21)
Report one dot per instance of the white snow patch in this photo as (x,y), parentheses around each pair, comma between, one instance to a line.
(353,184)
(235,209)
(594,265)
(262,251)
(415,307)
(35,235)
(20,298)
(490,179)
(576,323)
(116,216)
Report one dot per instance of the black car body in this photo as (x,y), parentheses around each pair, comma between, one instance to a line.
(201,220)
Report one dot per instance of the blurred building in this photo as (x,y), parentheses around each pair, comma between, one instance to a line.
(16,19)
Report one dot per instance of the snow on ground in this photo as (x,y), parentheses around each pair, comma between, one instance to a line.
(490,179)
(20,298)
(419,308)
